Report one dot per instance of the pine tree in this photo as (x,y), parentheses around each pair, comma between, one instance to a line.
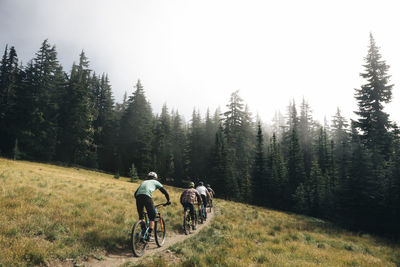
(339,128)
(194,154)
(279,184)
(373,121)
(295,163)
(133,173)
(37,104)
(393,196)
(360,200)
(245,185)
(105,124)
(178,141)
(10,82)
(305,131)
(278,124)
(121,107)
(340,138)
(77,118)
(233,119)
(163,144)
(222,177)
(238,130)
(259,182)
(136,133)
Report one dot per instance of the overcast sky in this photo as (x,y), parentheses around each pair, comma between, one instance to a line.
(196,53)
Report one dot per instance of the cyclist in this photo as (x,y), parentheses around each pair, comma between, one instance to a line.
(204,195)
(144,198)
(212,194)
(188,198)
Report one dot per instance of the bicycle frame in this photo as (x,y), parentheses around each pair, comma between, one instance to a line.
(142,234)
(147,220)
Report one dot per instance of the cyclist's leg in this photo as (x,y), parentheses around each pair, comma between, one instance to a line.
(191,210)
(185,207)
(140,206)
(203,207)
(151,212)
(192,215)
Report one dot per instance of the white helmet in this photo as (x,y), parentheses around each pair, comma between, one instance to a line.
(152,175)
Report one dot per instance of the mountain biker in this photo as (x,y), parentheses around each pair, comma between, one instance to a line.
(204,195)
(144,195)
(212,194)
(187,200)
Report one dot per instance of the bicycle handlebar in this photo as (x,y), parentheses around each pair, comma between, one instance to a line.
(162,204)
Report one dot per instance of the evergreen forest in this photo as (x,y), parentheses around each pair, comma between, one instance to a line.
(347,171)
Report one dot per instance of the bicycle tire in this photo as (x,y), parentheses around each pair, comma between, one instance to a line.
(201,219)
(160,231)
(186,222)
(138,244)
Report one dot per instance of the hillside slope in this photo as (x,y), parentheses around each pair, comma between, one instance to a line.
(49,212)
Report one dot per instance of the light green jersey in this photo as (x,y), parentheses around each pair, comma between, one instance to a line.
(148,187)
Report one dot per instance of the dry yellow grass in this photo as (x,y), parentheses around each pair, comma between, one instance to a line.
(50,212)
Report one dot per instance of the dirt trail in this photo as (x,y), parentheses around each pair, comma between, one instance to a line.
(114,259)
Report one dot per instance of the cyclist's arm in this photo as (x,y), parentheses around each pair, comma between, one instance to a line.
(162,189)
(199,199)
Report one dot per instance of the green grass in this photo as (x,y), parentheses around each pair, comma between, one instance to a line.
(280,239)
(49,212)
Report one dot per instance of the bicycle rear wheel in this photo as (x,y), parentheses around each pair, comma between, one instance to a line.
(160,231)
(186,222)
(200,217)
(138,244)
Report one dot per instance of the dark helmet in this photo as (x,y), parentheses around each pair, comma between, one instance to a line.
(201,183)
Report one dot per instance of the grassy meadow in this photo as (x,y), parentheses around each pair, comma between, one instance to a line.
(244,235)
(49,212)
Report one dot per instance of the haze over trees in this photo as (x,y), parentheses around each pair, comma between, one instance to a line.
(348,172)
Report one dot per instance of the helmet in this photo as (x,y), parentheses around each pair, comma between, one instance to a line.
(201,183)
(191,184)
(208,185)
(152,175)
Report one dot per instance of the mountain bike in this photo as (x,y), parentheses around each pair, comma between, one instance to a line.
(140,232)
(188,223)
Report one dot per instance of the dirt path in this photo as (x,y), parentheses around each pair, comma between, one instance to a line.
(116,259)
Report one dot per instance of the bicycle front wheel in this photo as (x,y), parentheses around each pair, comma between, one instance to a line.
(138,244)
(160,231)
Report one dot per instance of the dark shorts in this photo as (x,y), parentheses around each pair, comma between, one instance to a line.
(189,206)
(204,198)
(145,201)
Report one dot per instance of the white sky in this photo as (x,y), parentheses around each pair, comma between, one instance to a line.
(196,53)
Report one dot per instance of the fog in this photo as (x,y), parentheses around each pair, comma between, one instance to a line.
(194,54)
